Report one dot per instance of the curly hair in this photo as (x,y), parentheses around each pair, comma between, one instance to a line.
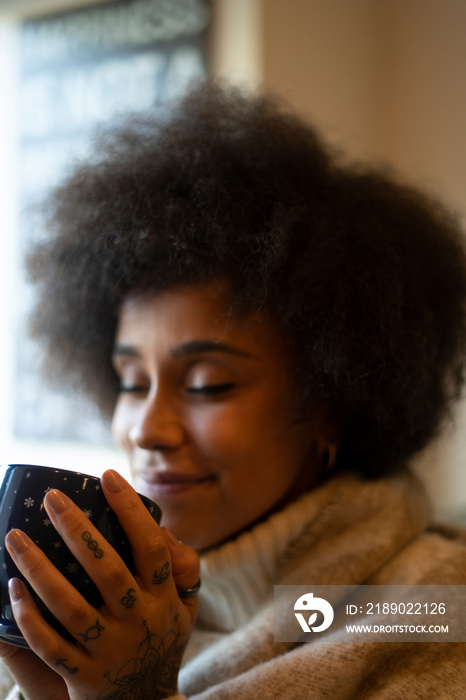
(364,275)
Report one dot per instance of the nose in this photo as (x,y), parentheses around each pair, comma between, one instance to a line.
(157,425)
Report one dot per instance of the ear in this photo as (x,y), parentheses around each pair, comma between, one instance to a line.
(328,436)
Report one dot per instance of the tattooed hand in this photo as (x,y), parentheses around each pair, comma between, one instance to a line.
(129,648)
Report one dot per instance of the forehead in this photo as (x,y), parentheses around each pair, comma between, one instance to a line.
(193,312)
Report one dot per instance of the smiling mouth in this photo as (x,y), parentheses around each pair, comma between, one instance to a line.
(163,484)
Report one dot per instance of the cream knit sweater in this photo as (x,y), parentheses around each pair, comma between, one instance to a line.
(347,531)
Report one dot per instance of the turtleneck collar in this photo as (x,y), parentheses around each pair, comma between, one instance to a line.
(238,576)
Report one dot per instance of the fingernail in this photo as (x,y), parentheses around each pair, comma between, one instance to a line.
(171,537)
(17,541)
(15,589)
(113,481)
(57,501)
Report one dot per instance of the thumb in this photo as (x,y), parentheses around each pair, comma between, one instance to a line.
(34,678)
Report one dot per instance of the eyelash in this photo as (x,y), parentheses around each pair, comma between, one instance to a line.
(207,390)
(212,389)
(131,389)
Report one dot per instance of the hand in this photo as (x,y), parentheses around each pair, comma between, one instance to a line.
(134,643)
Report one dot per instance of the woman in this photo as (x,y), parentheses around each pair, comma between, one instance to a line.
(276,335)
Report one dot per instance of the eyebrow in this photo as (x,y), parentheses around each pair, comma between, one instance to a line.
(195,347)
(192,347)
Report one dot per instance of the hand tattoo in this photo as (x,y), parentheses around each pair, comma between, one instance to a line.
(61,662)
(93,632)
(129,599)
(153,673)
(162,575)
(92,544)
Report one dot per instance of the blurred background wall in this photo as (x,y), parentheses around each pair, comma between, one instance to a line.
(385,81)
(382,79)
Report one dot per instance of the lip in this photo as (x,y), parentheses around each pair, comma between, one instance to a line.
(165,483)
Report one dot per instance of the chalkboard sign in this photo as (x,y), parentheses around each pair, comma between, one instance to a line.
(79,69)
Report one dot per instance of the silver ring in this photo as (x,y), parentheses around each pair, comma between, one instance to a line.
(189,592)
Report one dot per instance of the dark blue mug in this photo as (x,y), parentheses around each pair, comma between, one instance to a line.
(22,490)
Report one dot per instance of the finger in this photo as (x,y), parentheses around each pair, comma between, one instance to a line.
(185,567)
(151,553)
(59,596)
(30,673)
(59,654)
(100,560)
(24,666)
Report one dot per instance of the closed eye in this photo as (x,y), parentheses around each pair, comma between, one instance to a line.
(133,389)
(211,389)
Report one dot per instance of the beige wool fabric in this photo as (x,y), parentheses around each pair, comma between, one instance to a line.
(346,532)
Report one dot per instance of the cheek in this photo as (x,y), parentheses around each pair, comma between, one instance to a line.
(238,432)
(215,432)
(120,427)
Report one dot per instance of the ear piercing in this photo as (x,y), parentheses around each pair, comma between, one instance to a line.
(328,457)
